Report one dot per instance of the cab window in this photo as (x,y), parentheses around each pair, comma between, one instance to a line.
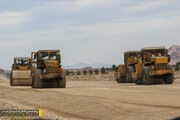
(53,55)
(22,62)
(43,56)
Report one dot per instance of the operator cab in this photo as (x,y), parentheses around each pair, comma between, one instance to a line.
(48,55)
(22,61)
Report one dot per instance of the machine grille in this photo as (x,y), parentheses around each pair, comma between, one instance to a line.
(51,66)
(162,66)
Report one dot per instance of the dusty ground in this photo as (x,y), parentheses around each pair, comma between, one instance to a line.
(97,100)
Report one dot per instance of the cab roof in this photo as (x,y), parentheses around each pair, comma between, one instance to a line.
(153,48)
(132,52)
(22,58)
(48,51)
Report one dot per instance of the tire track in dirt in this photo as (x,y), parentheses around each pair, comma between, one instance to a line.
(54,91)
(128,102)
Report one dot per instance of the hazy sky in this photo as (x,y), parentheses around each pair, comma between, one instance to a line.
(86,30)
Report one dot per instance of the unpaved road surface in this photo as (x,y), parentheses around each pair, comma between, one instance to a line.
(96,100)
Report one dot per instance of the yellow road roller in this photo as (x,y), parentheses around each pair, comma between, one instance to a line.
(20,72)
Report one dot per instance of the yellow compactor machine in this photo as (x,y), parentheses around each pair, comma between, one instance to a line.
(20,72)
(149,66)
(127,73)
(155,66)
(46,69)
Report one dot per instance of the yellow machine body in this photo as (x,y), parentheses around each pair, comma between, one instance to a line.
(138,69)
(20,72)
(46,69)
(121,71)
(132,64)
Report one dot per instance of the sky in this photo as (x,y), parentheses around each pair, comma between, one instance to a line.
(87,31)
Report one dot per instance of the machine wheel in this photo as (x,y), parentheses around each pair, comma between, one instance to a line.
(129,77)
(38,83)
(169,79)
(62,82)
(32,82)
(11,79)
(139,81)
(147,80)
(122,80)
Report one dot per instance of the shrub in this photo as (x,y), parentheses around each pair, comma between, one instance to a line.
(78,73)
(72,73)
(84,72)
(103,70)
(114,67)
(67,72)
(90,72)
(96,71)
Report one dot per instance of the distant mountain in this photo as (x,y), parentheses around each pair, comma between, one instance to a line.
(174,51)
(100,65)
(85,65)
(77,66)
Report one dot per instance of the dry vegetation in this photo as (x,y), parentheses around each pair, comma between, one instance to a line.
(108,76)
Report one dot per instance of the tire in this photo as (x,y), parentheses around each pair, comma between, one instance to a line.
(38,83)
(32,82)
(158,80)
(11,79)
(169,79)
(62,82)
(139,81)
(147,80)
(129,77)
(122,80)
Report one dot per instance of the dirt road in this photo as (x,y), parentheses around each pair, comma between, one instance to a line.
(96,100)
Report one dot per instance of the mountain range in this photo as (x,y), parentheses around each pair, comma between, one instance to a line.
(84,65)
(174,51)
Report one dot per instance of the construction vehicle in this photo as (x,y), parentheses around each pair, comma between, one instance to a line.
(177,66)
(20,72)
(46,70)
(120,74)
(155,65)
(127,73)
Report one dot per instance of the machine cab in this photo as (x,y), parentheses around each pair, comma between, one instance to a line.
(21,63)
